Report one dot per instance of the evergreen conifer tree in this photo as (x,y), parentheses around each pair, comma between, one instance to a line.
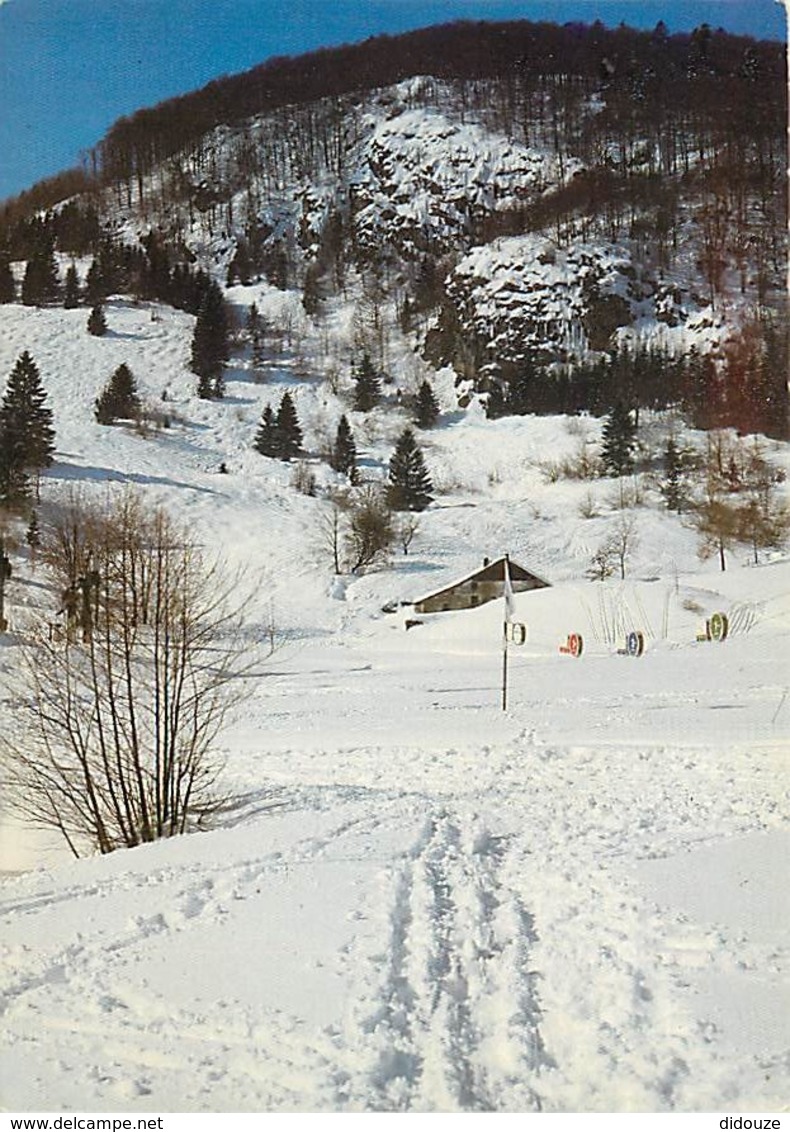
(497,403)
(267,440)
(7,284)
(672,487)
(254,322)
(368,386)
(97,323)
(619,441)
(410,485)
(26,433)
(426,407)
(40,283)
(71,291)
(205,388)
(119,400)
(258,353)
(95,290)
(522,391)
(210,342)
(289,432)
(311,292)
(344,451)
(33,536)
(14,481)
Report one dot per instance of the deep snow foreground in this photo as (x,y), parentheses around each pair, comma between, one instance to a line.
(422,902)
(425,903)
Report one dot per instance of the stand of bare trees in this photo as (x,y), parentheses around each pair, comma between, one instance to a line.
(120,705)
(739,502)
(359,529)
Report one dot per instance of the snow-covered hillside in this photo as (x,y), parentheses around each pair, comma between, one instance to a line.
(421,902)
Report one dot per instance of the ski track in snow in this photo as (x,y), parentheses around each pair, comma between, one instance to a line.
(442,980)
(453,962)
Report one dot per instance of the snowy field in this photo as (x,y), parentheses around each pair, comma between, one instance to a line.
(421,902)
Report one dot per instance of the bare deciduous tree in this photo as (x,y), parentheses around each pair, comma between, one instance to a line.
(717,522)
(408,527)
(330,532)
(617,547)
(738,502)
(763,523)
(369,532)
(624,540)
(116,723)
(358,531)
(601,567)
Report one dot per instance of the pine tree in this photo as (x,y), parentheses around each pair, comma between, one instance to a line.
(97,323)
(205,388)
(311,292)
(497,403)
(7,284)
(267,439)
(26,433)
(95,289)
(40,284)
(368,386)
(289,432)
(410,485)
(71,292)
(119,400)
(14,481)
(344,451)
(521,396)
(33,536)
(258,353)
(253,321)
(619,442)
(426,407)
(241,266)
(672,487)
(210,343)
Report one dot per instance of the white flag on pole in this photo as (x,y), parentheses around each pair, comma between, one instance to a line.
(510,601)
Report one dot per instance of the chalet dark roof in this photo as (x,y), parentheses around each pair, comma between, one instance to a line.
(493,571)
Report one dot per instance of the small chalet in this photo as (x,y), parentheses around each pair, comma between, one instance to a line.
(481,586)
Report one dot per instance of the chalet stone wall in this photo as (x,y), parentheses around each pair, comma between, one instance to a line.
(470,593)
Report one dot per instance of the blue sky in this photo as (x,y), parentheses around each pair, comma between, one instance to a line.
(70,68)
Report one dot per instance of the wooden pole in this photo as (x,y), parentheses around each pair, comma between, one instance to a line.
(504,666)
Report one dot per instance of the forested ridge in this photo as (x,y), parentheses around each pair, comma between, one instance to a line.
(394,161)
(654,82)
(700,85)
